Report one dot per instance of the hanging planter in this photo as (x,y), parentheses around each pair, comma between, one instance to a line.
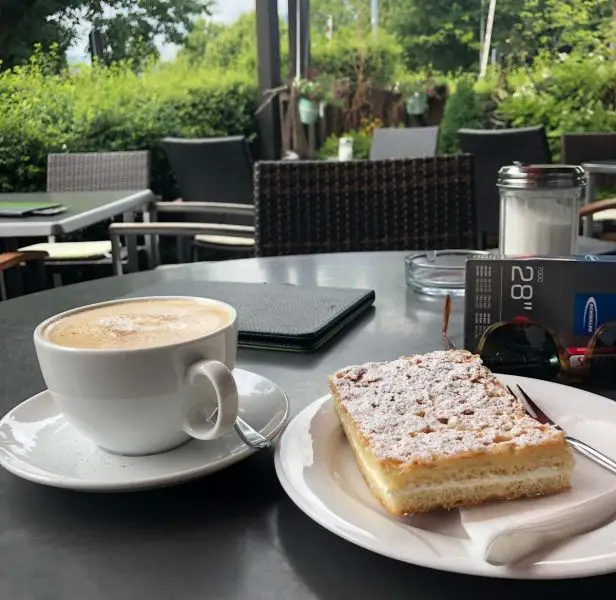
(417,103)
(308,111)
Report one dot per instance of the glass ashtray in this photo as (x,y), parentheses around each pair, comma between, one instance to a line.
(439,272)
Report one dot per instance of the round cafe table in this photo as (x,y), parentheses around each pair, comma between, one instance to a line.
(234,535)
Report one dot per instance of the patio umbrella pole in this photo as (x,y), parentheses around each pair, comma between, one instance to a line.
(374,17)
(488,39)
(298,42)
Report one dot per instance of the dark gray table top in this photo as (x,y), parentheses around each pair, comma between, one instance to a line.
(589,245)
(84,209)
(234,535)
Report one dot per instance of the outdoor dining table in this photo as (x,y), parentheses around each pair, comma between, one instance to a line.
(83,210)
(234,535)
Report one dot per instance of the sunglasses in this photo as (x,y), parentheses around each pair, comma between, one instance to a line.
(522,347)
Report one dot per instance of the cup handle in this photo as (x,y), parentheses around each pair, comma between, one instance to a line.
(196,423)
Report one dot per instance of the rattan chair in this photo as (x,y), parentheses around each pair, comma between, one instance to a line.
(87,172)
(398,142)
(216,171)
(324,206)
(98,171)
(493,149)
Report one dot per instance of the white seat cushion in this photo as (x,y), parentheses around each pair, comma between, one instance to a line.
(605,215)
(225,240)
(172,266)
(72,250)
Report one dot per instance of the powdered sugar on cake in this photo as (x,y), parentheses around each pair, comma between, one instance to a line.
(443,403)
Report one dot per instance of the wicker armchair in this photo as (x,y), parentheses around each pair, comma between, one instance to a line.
(98,171)
(406,204)
(87,172)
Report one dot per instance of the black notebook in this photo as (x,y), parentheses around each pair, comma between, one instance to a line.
(278,316)
(26,209)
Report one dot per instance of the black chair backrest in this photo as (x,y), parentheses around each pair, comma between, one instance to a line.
(212,170)
(492,150)
(412,142)
(577,148)
(308,207)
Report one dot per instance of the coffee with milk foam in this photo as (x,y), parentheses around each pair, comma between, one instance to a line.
(138,324)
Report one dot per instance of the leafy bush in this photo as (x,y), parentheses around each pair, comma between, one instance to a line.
(349,55)
(575,92)
(362,141)
(230,46)
(463,109)
(113,108)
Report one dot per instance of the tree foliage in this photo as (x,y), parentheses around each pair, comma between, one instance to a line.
(131,27)
(28,22)
(344,13)
(135,26)
(446,34)
(553,27)
(232,46)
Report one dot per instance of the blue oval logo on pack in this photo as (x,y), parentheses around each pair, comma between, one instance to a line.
(591,311)
(590,315)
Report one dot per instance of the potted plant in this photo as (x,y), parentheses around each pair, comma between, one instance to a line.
(414,95)
(416,102)
(310,96)
(417,93)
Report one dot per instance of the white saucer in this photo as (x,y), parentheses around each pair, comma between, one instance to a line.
(317,469)
(37,443)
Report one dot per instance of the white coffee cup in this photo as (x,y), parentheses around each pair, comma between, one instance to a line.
(144,400)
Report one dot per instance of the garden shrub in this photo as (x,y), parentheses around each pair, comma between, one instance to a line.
(348,55)
(113,108)
(575,92)
(362,141)
(464,108)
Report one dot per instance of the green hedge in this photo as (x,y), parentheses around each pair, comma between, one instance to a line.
(349,55)
(464,109)
(568,94)
(106,109)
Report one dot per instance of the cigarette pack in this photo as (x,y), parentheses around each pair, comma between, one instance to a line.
(570,296)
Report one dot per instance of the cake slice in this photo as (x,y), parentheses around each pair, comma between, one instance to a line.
(439,430)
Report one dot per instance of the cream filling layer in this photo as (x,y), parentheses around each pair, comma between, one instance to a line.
(379,482)
(535,474)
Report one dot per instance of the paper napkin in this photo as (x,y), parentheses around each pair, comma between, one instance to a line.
(506,532)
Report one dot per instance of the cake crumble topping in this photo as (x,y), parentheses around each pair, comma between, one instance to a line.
(443,403)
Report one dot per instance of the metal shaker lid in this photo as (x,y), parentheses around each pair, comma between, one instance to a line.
(532,177)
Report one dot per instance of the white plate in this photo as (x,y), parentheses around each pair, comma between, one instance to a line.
(37,443)
(317,469)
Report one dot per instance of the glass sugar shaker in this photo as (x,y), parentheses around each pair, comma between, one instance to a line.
(539,209)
